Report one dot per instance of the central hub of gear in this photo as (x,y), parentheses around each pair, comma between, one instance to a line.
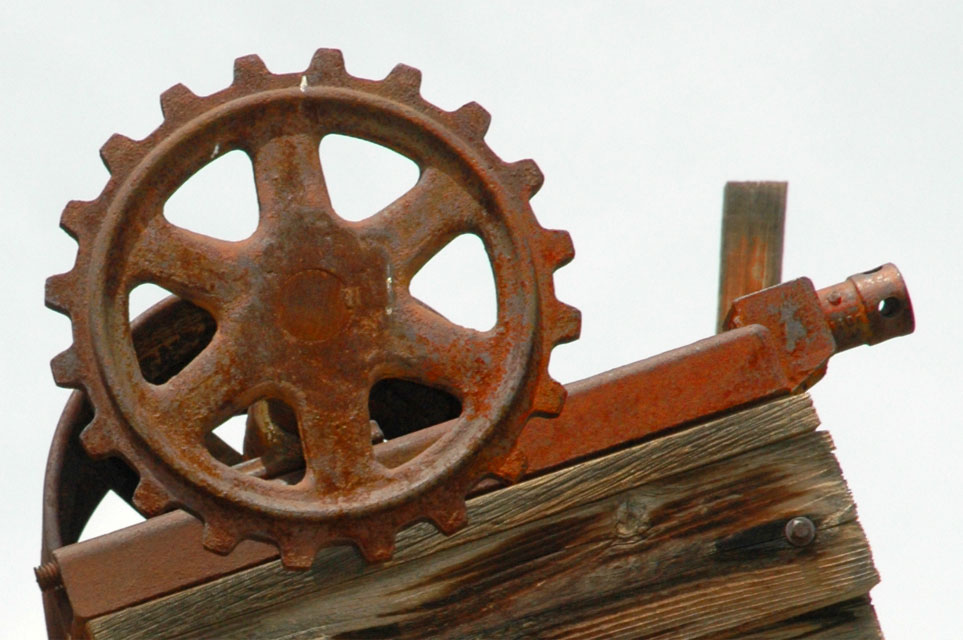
(313,305)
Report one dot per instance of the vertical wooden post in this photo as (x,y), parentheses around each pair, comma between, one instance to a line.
(753,223)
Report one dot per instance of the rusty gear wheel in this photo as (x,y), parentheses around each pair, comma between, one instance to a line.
(312,310)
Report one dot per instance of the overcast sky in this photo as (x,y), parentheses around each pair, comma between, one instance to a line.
(637,113)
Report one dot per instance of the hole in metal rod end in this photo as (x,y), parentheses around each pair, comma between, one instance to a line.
(889,307)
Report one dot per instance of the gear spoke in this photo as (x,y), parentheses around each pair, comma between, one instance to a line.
(195,267)
(207,392)
(289,180)
(429,347)
(336,437)
(420,223)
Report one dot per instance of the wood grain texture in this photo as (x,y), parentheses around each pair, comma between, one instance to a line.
(753,225)
(678,537)
(850,620)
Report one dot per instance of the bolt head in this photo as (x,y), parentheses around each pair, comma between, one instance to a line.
(800,531)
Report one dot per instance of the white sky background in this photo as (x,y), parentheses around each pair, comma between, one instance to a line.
(637,114)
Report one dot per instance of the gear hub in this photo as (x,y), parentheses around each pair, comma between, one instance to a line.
(312,310)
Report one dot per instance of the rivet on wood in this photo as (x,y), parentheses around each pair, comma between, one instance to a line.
(800,531)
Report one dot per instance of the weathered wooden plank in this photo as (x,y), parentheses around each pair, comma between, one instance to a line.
(690,557)
(672,538)
(850,620)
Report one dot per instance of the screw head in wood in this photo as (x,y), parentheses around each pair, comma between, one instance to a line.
(800,531)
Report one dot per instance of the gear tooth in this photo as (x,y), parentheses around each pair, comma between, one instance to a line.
(249,69)
(512,467)
(566,324)
(219,536)
(297,552)
(177,101)
(404,78)
(376,546)
(66,369)
(474,119)
(559,248)
(528,176)
(74,218)
(58,292)
(150,497)
(118,153)
(549,399)
(450,517)
(96,439)
(326,64)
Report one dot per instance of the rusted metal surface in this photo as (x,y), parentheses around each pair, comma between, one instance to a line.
(868,308)
(620,406)
(48,576)
(165,339)
(753,224)
(783,350)
(796,323)
(311,310)
(138,571)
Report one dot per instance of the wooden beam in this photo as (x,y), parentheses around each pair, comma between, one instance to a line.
(753,225)
(850,620)
(678,537)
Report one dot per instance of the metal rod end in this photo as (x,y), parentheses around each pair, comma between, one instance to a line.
(868,308)
(48,576)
